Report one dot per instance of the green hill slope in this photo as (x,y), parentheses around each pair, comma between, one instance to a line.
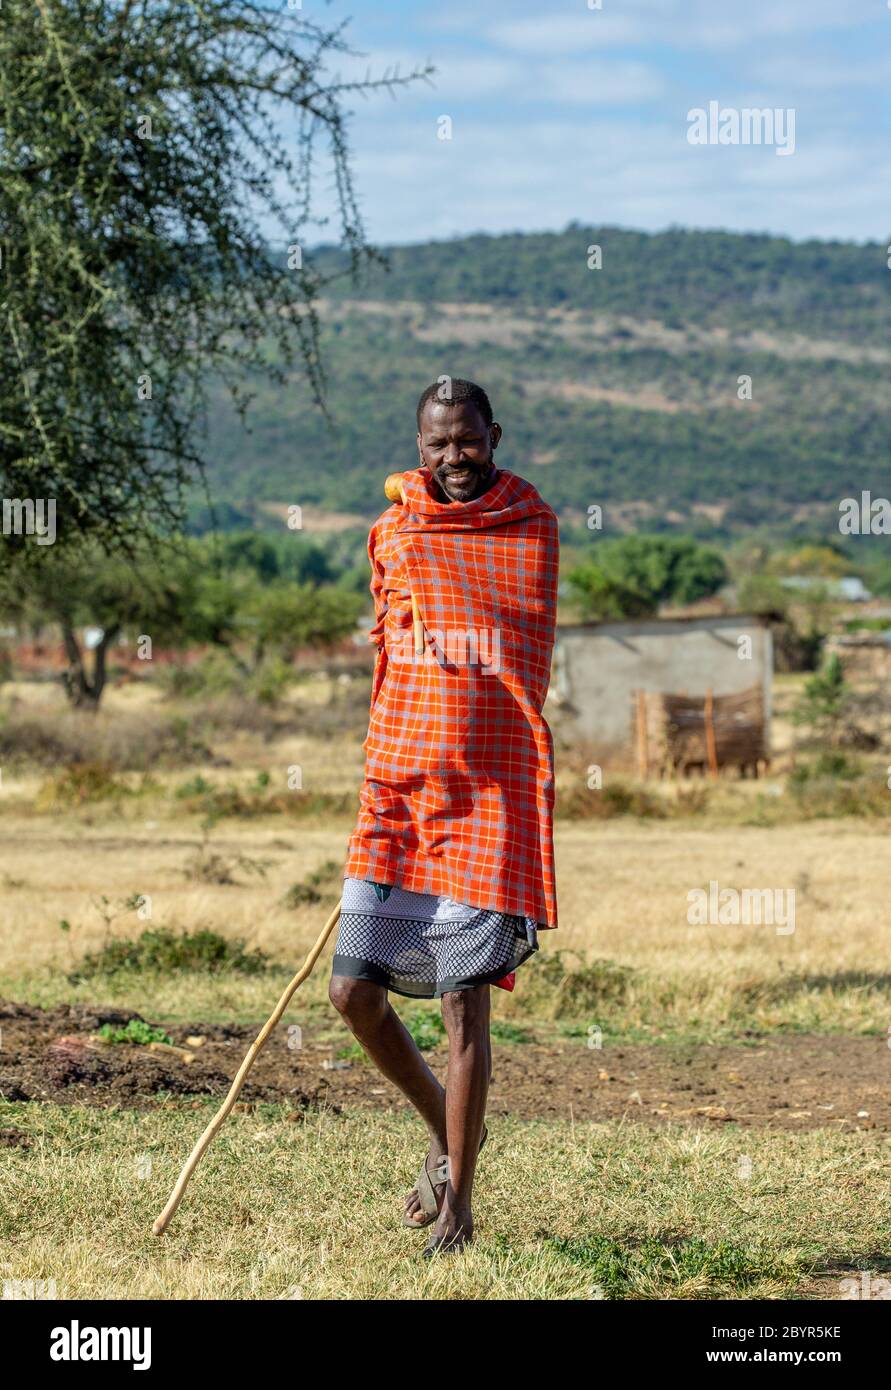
(616,386)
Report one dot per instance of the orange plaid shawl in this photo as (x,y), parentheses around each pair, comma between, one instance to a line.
(459,780)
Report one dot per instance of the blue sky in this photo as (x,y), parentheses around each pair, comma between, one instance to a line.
(563,113)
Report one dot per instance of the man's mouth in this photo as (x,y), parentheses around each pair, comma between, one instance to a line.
(460,475)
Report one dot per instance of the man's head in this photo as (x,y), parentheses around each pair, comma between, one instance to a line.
(457,437)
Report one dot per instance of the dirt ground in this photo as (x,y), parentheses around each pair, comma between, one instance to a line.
(785,1083)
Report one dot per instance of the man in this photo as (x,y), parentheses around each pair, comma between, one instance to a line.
(450,872)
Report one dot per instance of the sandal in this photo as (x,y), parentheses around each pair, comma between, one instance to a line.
(426,1186)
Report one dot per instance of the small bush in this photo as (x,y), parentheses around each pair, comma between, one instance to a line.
(832,763)
(832,795)
(169,952)
(579,802)
(271,681)
(116,741)
(206,865)
(212,674)
(221,803)
(311,889)
(195,786)
(79,784)
(563,990)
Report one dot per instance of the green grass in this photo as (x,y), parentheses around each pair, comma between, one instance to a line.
(425,1025)
(682,1266)
(503,1031)
(624,1004)
(310,1208)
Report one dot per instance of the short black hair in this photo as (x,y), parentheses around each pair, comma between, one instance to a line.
(454,391)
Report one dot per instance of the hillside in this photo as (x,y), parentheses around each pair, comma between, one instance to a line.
(615,386)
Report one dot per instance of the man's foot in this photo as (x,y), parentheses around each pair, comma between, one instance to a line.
(437,1171)
(436,1164)
(453,1230)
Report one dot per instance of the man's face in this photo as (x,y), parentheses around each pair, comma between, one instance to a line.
(456,444)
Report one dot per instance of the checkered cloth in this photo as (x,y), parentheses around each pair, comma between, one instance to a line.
(459,780)
(424,946)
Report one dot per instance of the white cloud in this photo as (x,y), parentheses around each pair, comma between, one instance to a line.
(550,34)
(465,77)
(675,23)
(822,74)
(596,83)
(549,173)
(554,122)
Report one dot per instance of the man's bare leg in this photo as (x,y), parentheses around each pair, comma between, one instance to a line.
(380,1032)
(466,1016)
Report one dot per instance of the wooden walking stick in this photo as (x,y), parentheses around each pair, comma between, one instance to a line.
(394,490)
(256,1046)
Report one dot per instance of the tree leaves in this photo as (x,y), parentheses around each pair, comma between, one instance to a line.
(141,154)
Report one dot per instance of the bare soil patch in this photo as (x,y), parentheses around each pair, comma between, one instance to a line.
(775,1082)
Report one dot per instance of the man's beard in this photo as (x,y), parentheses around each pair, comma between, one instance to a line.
(479,479)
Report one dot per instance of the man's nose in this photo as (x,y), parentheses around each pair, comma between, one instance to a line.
(452,455)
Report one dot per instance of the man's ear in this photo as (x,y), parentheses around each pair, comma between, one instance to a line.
(420,450)
(494,433)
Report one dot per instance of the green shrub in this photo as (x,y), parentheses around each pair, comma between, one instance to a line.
(214,673)
(311,889)
(270,682)
(583,990)
(579,802)
(196,786)
(220,803)
(81,783)
(168,952)
(839,794)
(831,763)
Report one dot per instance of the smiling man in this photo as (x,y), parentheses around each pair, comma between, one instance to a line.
(457,439)
(450,873)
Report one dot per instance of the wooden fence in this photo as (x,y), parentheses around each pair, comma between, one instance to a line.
(678,734)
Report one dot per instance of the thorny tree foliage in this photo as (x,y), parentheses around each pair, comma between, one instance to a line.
(147,147)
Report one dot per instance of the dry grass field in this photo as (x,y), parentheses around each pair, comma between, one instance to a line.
(609,1174)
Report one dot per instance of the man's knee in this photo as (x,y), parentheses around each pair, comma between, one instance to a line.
(361,1002)
(465,1013)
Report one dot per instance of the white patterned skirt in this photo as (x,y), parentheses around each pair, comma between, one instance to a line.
(424,945)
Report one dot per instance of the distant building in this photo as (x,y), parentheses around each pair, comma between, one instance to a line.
(850,589)
(599,668)
(854,590)
(864,655)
